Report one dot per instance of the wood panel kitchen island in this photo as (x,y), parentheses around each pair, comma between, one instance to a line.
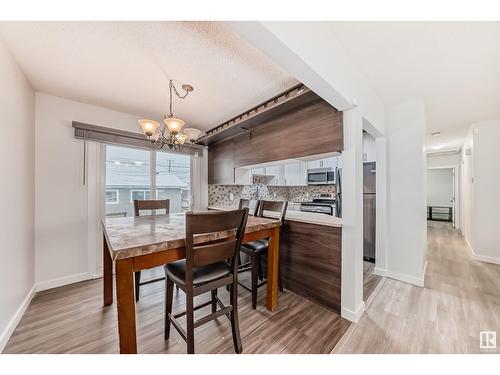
(311,261)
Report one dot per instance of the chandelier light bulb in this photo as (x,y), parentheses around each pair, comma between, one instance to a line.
(174,125)
(149,127)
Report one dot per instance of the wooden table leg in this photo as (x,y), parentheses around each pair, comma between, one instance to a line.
(126,306)
(272,270)
(107,264)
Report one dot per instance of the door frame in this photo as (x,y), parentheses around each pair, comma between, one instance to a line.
(456,193)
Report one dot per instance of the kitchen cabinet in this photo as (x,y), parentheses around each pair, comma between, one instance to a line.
(311,262)
(323,163)
(295,174)
(280,138)
(276,175)
(243,176)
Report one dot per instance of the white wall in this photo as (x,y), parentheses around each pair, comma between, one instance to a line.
(17,171)
(483,180)
(406,186)
(62,205)
(352,215)
(440,187)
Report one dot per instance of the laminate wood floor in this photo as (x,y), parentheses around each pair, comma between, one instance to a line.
(72,319)
(461,297)
(370,280)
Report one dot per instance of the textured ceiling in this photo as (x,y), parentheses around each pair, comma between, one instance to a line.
(453,66)
(126,66)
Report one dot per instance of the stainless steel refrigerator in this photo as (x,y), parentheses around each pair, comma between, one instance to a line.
(369,213)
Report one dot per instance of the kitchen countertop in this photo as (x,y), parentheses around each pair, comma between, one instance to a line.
(304,217)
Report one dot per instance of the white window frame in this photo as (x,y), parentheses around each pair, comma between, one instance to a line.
(143,195)
(117,196)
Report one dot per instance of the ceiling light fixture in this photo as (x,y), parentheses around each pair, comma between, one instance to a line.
(171,133)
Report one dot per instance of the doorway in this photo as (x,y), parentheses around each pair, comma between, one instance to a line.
(370,279)
(441,195)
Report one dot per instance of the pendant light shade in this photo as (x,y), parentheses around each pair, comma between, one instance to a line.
(173,124)
(149,127)
(192,134)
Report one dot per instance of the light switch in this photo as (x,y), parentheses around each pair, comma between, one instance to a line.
(231,197)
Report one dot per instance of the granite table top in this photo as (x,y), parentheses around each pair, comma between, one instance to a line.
(129,237)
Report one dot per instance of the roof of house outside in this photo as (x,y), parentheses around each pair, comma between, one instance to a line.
(142,180)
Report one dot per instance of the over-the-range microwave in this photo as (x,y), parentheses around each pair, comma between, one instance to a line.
(320,176)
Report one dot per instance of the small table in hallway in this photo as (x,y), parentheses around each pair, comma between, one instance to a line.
(138,243)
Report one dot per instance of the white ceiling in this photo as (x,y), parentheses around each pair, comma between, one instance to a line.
(453,66)
(125,66)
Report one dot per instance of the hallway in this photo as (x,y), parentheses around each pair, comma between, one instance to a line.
(461,298)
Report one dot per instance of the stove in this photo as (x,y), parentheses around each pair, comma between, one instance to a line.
(319,205)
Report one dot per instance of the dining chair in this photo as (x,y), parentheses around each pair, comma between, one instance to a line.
(251,204)
(257,250)
(148,205)
(204,270)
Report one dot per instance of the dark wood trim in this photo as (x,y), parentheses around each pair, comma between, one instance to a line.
(316,129)
(291,100)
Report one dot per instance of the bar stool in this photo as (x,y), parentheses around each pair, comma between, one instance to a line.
(257,250)
(150,205)
(205,269)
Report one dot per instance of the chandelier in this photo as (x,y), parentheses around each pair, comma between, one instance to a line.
(171,133)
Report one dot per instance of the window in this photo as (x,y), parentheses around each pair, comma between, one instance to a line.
(127,169)
(142,174)
(173,180)
(112,196)
(139,195)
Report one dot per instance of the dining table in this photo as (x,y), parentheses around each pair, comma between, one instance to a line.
(142,242)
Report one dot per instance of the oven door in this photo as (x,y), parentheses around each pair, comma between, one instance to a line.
(317,178)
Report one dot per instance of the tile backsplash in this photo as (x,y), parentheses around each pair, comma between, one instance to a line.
(220,195)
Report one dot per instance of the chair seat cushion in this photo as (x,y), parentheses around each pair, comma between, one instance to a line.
(176,271)
(259,246)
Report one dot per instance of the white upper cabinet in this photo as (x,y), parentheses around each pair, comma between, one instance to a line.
(323,163)
(243,176)
(296,174)
(277,175)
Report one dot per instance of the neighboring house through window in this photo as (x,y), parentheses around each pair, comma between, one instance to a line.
(139,195)
(112,196)
(145,174)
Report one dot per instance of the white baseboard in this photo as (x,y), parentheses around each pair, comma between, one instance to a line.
(485,258)
(11,326)
(353,316)
(418,281)
(380,271)
(54,283)
(481,258)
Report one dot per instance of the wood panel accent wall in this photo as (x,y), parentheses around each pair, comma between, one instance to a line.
(311,262)
(316,129)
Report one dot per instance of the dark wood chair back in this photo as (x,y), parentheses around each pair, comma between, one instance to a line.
(272,206)
(219,251)
(251,204)
(143,205)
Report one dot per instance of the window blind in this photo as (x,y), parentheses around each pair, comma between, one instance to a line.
(103,134)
